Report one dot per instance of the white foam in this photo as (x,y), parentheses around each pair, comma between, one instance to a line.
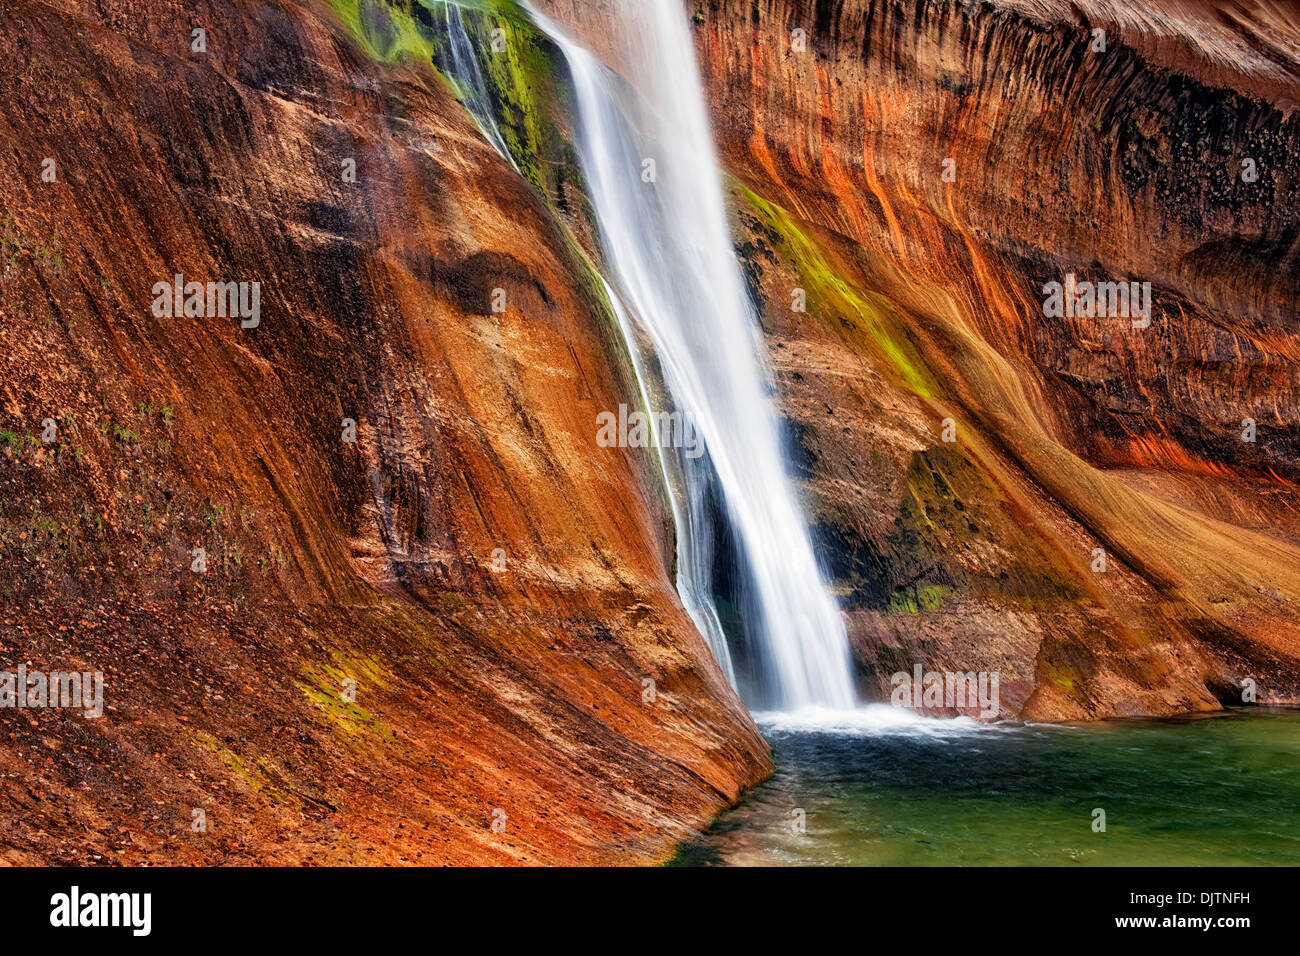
(872,720)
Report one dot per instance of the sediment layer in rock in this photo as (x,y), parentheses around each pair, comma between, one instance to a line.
(493,588)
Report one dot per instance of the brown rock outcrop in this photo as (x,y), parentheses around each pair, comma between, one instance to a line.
(495,587)
(926,303)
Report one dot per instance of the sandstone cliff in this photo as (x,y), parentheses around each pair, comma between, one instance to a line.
(916,173)
(496,588)
(1073,434)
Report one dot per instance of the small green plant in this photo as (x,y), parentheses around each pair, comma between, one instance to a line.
(8,436)
(214,515)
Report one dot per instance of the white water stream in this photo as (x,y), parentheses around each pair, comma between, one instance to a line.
(652,175)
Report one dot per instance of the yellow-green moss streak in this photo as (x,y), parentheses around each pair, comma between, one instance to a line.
(522,81)
(324,686)
(387,31)
(830,295)
(265,777)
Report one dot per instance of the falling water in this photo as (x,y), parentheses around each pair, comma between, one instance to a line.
(459,62)
(652,175)
(667,244)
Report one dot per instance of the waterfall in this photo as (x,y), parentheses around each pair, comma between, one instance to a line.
(459,63)
(652,175)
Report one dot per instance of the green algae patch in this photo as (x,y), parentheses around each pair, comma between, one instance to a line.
(1068,676)
(829,295)
(263,776)
(956,537)
(334,689)
(931,596)
(517,63)
(387,31)
(520,72)
(524,79)
(923,598)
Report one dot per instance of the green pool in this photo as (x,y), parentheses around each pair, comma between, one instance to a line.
(884,789)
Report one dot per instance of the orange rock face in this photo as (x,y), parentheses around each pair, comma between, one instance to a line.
(452,639)
(923,171)
(360,582)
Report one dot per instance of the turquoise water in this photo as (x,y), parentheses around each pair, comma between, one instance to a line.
(1219,790)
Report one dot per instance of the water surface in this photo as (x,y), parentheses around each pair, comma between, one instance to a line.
(884,788)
